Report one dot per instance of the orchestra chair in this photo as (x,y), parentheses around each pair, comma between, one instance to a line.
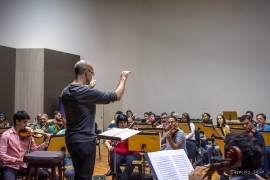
(44,159)
(185,127)
(39,139)
(58,143)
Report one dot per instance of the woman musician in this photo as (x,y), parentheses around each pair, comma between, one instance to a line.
(174,138)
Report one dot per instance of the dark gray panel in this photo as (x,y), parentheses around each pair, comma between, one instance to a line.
(58,73)
(7,81)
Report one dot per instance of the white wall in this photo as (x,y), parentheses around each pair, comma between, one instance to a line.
(186,56)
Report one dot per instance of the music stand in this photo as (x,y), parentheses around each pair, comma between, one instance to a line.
(230,115)
(139,125)
(210,130)
(185,127)
(158,130)
(198,125)
(144,142)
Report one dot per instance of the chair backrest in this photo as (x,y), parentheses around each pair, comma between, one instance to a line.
(57,143)
(39,140)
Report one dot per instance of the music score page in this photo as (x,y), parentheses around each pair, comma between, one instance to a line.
(170,164)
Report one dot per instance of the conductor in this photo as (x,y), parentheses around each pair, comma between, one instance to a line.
(79,100)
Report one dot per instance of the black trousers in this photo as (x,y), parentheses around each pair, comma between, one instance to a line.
(83,156)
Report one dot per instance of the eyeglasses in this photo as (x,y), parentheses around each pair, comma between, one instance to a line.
(170,122)
(93,74)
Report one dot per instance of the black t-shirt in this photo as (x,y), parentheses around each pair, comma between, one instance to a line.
(79,103)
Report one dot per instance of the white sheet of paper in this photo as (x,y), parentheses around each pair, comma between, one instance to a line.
(171,164)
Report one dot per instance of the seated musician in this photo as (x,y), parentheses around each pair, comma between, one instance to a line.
(113,124)
(261,125)
(3,120)
(163,119)
(221,122)
(248,126)
(152,118)
(13,147)
(123,155)
(252,153)
(186,119)
(174,137)
(57,117)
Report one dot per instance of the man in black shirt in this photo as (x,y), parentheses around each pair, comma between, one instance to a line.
(79,100)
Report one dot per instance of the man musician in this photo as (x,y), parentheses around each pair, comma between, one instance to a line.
(174,137)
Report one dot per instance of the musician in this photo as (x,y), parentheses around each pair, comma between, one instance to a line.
(248,125)
(163,119)
(221,122)
(123,155)
(129,113)
(3,120)
(152,118)
(261,125)
(13,147)
(206,118)
(174,138)
(186,119)
(146,118)
(57,117)
(113,124)
(252,152)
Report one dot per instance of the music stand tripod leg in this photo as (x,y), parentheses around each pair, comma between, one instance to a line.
(143,162)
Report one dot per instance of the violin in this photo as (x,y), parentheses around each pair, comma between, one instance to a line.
(172,131)
(23,133)
(233,159)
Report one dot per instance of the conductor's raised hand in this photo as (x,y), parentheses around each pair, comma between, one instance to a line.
(124,74)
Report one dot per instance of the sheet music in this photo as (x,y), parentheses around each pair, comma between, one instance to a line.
(171,164)
(121,133)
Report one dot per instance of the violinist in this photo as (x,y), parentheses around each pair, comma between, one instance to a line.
(252,155)
(13,147)
(248,126)
(57,118)
(3,120)
(174,137)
